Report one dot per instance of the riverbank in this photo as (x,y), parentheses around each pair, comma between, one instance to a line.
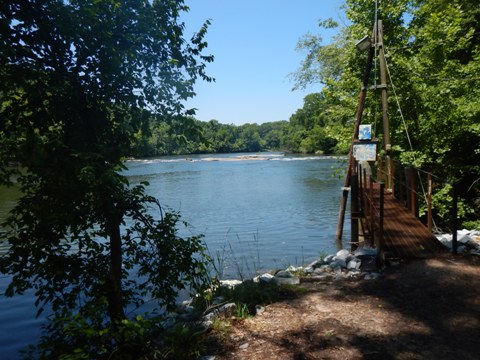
(344,307)
(423,309)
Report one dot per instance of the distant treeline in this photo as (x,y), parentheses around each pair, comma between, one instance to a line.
(306,132)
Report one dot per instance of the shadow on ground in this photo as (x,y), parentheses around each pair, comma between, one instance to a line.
(424,309)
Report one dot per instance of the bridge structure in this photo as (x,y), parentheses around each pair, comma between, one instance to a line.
(392,210)
(390,205)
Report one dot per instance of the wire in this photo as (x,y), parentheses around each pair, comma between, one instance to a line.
(398,104)
(375,36)
(406,131)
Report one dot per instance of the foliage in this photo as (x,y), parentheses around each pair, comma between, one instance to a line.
(241,311)
(433,57)
(80,81)
(248,294)
(211,137)
(183,342)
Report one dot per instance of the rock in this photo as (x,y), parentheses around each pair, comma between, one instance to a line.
(339,275)
(321,270)
(368,263)
(259,309)
(365,250)
(185,306)
(294,269)
(225,310)
(354,264)
(469,242)
(315,264)
(462,233)
(445,240)
(353,274)
(371,276)
(324,268)
(308,270)
(244,346)
(264,278)
(342,255)
(218,300)
(230,283)
(320,276)
(206,325)
(286,278)
(328,259)
(338,263)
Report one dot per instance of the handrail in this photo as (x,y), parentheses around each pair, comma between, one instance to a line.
(371,207)
(407,192)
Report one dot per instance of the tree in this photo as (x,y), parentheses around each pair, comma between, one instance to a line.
(432,49)
(79,80)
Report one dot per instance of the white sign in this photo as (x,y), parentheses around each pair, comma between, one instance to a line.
(365,151)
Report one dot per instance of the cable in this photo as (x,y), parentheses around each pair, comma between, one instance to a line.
(398,105)
(375,36)
(406,132)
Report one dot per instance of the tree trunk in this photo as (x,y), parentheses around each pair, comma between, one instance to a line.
(115,297)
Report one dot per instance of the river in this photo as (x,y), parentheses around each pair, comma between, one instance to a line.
(257,212)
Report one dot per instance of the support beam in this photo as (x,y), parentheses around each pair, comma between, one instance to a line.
(351,160)
(383,86)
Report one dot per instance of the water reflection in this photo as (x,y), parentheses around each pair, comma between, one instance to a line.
(255,214)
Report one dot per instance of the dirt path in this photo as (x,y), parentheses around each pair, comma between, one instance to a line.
(425,309)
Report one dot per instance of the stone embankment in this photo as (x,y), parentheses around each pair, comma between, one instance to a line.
(359,264)
(468,241)
(342,265)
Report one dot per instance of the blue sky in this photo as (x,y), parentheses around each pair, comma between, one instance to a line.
(253,42)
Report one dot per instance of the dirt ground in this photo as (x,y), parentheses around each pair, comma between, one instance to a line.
(422,309)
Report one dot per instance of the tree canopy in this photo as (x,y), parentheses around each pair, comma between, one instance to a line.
(80,79)
(433,57)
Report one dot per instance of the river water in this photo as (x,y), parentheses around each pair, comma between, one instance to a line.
(256,212)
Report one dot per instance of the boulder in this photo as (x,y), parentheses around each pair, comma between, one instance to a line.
(342,254)
(354,264)
(264,278)
(286,278)
(226,310)
(365,250)
(338,263)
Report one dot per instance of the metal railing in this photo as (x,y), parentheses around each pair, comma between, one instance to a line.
(366,204)
(415,188)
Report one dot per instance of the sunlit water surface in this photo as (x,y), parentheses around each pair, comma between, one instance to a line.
(262,212)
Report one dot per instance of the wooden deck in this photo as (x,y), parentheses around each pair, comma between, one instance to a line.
(404,235)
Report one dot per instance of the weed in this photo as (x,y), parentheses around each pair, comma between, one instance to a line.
(328,334)
(322,255)
(241,311)
(183,342)
(221,327)
(293,289)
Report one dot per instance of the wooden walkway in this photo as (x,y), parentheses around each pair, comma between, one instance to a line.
(404,235)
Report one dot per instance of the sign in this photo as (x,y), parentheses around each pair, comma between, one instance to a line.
(365,132)
(365,151)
